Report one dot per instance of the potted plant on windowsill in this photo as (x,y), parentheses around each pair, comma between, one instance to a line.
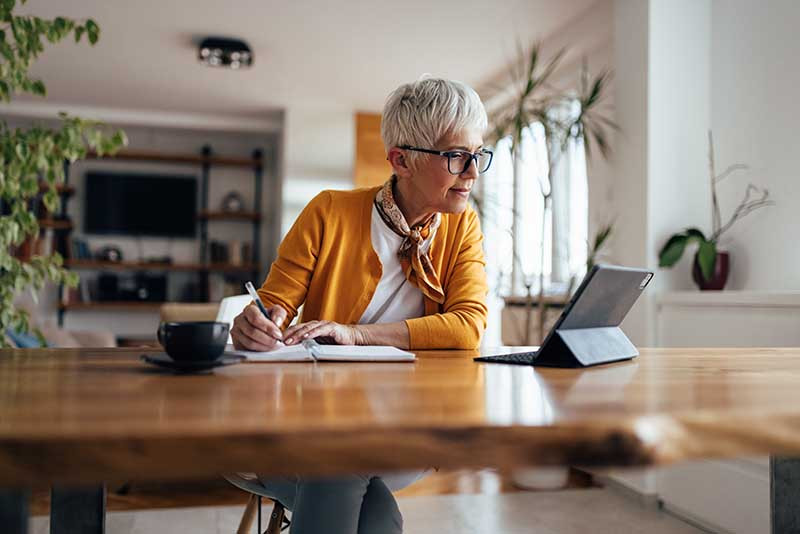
(711,265)
(575,115)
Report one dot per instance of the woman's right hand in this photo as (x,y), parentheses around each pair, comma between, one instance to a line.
(252,331)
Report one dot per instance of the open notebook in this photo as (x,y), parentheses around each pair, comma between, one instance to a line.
(310,351)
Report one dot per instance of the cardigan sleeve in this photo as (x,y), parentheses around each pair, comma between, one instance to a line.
(289,277)
(464,312)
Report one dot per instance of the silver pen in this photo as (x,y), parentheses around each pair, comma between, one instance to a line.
(252,291)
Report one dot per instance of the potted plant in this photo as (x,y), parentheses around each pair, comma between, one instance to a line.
(711,265)
(32,160)
(535,100)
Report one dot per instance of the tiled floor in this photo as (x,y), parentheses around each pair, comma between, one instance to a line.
(597,511)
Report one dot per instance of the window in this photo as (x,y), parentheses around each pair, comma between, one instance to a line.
(565,224)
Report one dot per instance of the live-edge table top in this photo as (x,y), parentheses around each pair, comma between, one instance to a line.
(86,415)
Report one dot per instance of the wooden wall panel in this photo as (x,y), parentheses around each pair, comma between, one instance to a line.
(371,167)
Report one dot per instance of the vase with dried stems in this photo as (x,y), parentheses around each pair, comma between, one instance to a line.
(711,265)
(568,115)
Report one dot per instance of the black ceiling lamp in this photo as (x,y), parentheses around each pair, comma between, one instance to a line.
(225,52)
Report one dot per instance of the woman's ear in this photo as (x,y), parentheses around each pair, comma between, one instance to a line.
(399,163)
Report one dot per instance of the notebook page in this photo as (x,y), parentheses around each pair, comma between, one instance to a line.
(362,353)
(292,353)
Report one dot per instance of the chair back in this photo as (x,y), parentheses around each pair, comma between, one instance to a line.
(230,307)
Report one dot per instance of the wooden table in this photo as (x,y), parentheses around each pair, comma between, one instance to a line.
(86,416)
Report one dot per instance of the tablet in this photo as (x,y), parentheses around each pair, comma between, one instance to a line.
(587,332)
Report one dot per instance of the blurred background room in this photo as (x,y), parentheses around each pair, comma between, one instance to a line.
(650,133)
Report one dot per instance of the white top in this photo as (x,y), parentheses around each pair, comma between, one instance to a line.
(395,299)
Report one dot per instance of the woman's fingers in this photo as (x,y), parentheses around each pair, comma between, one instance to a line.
(300,332)
(277,314)
(257,320)
(243,341)
(256,334)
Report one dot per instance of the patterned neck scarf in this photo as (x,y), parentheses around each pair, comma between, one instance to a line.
(413,253)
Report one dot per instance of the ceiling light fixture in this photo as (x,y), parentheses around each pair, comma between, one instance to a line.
(225,52)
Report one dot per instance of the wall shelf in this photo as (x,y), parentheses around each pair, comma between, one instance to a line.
(246,216)
(55,224)
(181,159)
(204,267)
(111,305)
(155,266)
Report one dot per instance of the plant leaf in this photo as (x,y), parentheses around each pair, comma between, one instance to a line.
(696,234)
(707,257)
(672,251)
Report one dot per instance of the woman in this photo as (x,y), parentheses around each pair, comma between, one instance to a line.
(400,265)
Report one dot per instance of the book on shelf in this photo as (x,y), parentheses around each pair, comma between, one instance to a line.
(80,249)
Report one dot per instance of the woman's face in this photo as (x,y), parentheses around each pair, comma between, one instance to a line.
(439,190)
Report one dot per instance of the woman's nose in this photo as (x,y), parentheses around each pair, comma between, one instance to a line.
(472,168)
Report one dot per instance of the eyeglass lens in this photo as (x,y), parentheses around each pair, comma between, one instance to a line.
(459,162)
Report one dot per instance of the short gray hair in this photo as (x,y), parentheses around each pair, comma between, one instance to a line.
(422,113)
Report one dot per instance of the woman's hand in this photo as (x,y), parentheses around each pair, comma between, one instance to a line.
(341,334)
(252,331)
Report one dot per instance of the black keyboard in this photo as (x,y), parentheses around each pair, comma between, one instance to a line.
(520,358)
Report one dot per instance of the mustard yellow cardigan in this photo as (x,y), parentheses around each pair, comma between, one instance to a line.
(327,261)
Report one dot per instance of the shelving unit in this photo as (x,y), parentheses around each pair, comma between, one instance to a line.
(206,159)
(95,265)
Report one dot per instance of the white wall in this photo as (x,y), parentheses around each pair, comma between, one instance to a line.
(755,75)
(662,101)
(319,154)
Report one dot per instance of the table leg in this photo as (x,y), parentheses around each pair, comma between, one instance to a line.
(784,487)
(14,510)
(78,510)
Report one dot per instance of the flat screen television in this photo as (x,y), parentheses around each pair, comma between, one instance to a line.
(140,204)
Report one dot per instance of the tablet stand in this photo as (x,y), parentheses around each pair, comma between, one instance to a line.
(581,347)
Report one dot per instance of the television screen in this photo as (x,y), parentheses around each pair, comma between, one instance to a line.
(140,204)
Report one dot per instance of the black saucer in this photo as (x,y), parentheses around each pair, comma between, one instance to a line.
(162,359)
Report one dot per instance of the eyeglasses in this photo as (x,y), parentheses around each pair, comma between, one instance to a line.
(458,161)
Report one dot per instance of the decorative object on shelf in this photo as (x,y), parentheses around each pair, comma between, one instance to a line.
(80,249)
(225,52)
(110,253)
(232,202)
(34,158)
(218,252)
(235,252)
(159,260)
(711,266)
(565,115)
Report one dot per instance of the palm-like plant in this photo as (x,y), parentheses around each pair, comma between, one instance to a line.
(535,100)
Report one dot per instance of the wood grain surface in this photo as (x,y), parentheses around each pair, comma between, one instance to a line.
(86,415)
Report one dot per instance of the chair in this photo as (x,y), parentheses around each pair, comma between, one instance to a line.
(230,307)
(188,311)
(277,520)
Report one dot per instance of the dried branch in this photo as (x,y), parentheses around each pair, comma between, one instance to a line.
(746,207)
(730,170)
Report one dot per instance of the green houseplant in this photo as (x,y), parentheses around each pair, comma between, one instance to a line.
(535,100)
(711,265)
(32,160)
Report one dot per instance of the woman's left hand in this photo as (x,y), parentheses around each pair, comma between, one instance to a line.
(341,334)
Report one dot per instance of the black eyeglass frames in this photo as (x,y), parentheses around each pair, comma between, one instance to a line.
(458,161)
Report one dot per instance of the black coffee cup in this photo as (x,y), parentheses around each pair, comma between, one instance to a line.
(200,341)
